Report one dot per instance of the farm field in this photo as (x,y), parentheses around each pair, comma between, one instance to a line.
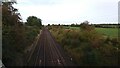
(111,32)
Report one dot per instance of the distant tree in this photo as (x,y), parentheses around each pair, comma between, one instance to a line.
(77,25)
(48,24)
(85,26)
(58,24)
(53,24)
(34,21)
(73,25)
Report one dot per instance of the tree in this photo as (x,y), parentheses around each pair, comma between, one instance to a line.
(34,21)
(48,24)
(73,25)
(85,26)
(12,33)
(10,15)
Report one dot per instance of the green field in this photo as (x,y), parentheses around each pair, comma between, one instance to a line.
(111,32)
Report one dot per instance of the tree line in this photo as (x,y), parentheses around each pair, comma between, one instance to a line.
(95,25)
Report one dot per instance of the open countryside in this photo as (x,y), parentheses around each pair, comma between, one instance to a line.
(34,44)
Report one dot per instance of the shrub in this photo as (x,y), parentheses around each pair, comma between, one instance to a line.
(87,47)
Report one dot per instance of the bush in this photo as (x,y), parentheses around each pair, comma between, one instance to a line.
(87,47)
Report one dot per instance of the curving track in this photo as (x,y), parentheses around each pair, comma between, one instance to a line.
(48,52)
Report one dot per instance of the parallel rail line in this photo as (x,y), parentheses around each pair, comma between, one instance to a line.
(47,52)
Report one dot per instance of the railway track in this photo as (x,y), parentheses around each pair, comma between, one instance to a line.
(48,52)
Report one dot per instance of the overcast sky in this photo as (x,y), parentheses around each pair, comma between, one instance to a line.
(70,11)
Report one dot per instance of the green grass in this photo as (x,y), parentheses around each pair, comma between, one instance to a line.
(111,32)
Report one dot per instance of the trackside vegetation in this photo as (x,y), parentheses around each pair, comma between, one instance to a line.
(16,35)
(87,46)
